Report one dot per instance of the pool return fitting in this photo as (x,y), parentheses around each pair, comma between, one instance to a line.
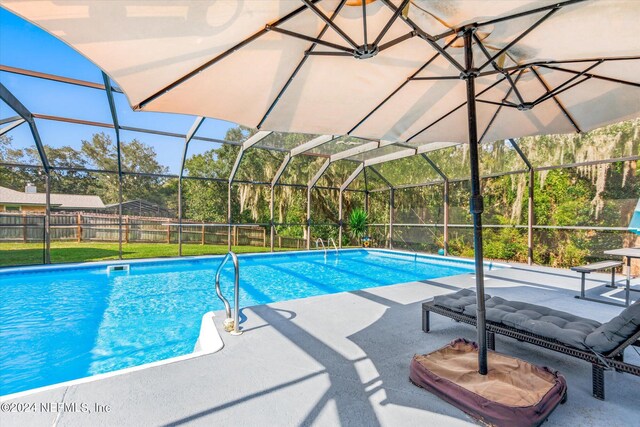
(231,324)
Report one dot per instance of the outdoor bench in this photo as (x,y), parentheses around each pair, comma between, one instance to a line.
(602,345)
(596,266)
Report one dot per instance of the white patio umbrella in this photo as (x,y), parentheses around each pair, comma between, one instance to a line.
(416,72)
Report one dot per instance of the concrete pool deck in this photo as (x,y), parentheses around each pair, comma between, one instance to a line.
(342,359)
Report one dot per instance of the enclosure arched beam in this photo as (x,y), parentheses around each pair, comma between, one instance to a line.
(344,185)
(425,148)
(379,175)
(445,201)
(310,145)
(187,139)
(27,116)
(116,128)
(531,182)
(274,182)
(366,190)
(312,183)
(391,201)
(12,125)
(250,142)
(360,149)
(352,177)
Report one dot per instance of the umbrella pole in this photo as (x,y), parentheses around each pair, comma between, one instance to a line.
(476,203)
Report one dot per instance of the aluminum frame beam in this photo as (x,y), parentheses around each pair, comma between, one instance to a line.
(351,177)
(312,183)
(360,149)
(256,138)
(281,169)
(310,145)
(55,78)
(274,182)
(12,125)
(343,188)
(116,127)
(424,148)
(190,134)
(445,202)
(10,120)
(392,206)
(530,212)
(385,180)
(23,112)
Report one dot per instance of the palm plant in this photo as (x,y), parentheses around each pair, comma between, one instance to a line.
(358,220)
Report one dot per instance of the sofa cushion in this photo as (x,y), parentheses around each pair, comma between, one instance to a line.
(457,301)
(546,322)
(613,333)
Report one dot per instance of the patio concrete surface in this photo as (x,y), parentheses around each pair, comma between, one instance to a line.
(343,359)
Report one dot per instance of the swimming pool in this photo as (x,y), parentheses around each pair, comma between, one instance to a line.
(66,322)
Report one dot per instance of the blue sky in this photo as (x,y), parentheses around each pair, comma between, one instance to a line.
(24,45)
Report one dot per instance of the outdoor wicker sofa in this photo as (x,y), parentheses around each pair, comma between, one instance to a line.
(602,345)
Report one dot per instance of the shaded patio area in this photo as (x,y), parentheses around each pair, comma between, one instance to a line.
(343,359)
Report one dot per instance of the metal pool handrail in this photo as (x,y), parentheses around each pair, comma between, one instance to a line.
(334,245)
(231,325)
(323,246)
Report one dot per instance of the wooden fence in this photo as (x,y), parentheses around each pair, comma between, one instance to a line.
(84,227)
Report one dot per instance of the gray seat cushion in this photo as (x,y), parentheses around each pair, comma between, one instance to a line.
(457,301)
(553,324)
(613,333)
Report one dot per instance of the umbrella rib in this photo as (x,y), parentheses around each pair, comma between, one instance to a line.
(397,40)
(390,22)
(558,92)
(326,53)
(301,64)
(497,67)
(310,39)
(495,115)
(595,76)
(218,58)
(520,37)
(426,37)
(454,110)
(501,104)
(557,101)
(510,17)
(384,101)
(417,79)
(548,64)
(309,4)
(559,89)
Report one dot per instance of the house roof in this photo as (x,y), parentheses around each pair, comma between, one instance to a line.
(61,201)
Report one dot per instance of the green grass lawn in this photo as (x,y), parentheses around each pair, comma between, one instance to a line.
(31,253)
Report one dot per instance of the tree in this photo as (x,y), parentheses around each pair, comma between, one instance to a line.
(101,152)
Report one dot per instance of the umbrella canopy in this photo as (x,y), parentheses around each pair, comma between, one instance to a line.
(413,74)
(256,63)
(634,224)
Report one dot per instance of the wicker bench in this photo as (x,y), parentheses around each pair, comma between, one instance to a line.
(612,359)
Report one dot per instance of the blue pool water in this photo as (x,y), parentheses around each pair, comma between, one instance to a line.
(64,323)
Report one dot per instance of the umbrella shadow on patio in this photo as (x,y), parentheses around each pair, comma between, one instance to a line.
(358,386)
